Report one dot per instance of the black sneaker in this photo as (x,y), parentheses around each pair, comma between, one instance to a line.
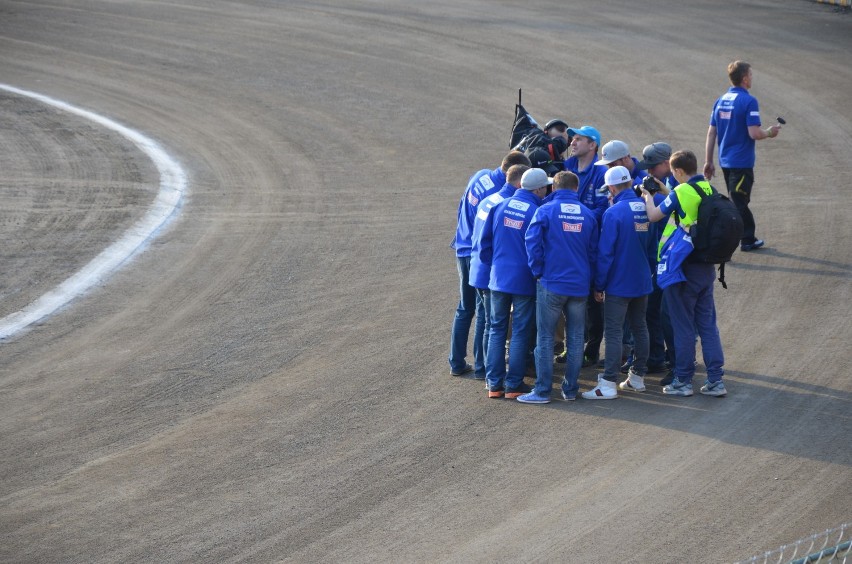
(589,361)
(466,369)
(512,393)
(562,357)
(668,378)
(746,247)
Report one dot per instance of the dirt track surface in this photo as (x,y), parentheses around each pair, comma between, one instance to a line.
(268,380)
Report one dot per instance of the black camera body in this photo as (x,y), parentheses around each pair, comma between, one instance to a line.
(649,184)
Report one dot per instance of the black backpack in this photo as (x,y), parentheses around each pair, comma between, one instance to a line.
(717,230)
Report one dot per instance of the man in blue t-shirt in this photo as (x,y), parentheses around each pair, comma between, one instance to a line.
(735,126)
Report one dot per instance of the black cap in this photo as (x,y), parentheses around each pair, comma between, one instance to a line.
(555,122)
(654,154)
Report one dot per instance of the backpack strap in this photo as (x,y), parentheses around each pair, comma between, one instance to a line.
(701,193)
(722,275)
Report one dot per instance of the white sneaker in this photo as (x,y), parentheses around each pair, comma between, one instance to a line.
(633,382)
(604,390)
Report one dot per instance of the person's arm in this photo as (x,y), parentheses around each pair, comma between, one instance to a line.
(756,133)
(534,242)
(653,211)
(709,149)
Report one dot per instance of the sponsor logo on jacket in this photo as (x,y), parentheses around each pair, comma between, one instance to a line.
(572,227)
(570,208)
(519,205)
(513,223)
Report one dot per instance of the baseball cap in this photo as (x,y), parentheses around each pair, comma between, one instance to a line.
(613,151)
(586,131)
(535,178)
(554,123)
(654,154)
(616,175)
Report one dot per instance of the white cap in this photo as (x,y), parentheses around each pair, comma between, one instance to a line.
(613,151)
(617,175)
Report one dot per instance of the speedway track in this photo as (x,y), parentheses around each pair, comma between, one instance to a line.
(268,380)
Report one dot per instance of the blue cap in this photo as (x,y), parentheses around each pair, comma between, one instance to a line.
(587,131)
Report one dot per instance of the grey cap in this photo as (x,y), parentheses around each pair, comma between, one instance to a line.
(613,151)
(654,154)
(535,178)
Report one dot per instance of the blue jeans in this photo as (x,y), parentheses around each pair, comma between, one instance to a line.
(485,307)
(691,308)
(616,310)
(469,305)
(549,306)
(522,309)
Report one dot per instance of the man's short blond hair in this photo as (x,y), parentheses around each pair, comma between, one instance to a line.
(737,71)
(566,180)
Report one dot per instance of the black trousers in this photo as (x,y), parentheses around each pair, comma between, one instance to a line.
(739,182)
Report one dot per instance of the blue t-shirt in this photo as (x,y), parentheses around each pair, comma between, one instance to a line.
(732,115)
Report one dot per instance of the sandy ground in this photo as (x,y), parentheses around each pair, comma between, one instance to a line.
(268,380)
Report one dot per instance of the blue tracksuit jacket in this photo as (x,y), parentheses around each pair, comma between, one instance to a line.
(481,185)
(624,260)
(591,191)
(480,274)
(503,247)
(562,243)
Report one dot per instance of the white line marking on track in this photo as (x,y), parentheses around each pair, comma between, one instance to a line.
(173,183)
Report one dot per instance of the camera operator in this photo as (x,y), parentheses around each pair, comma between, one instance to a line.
(659,182)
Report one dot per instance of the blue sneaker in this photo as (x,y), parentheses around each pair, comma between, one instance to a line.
(716,389)
(569,397)
(678,388)
(533,397)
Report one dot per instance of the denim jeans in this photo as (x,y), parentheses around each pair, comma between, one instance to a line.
(469,305)
(485,307)
(549,308)
(691,307)
(522,309)
(616,310)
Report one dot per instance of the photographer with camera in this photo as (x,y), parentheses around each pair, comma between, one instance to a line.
(658,183)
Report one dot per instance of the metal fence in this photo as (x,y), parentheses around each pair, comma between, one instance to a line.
(832,545)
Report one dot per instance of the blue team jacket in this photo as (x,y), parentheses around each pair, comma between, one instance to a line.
(502,244)
(624,261)
(562,243)
(481,185)
(592,192)
(480,274)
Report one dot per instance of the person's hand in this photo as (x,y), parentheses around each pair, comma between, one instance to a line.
(709,170)
(599,297)
(773,131)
